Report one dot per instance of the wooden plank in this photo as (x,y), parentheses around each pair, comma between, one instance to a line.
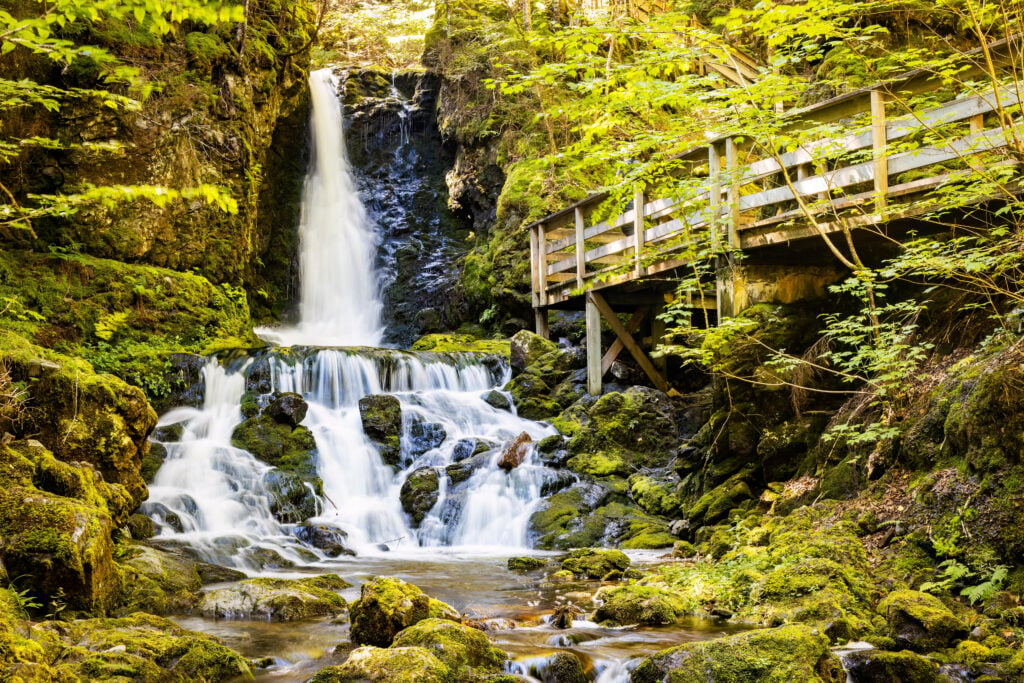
(880,170)
(627,339)
(638,233)
(613,259)
(733,192)
(581,264)
(542,266)
(593,320)
(594,233)
(560,277)
(632,325)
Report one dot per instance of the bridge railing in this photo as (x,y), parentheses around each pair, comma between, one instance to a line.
(862,178)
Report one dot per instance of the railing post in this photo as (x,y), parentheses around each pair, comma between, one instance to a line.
(542,254)
(714,191)
(879,141)
(639,210)
(732,164)
(594,374)
(536,261)
(581,263)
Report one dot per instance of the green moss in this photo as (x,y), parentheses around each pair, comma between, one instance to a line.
(647,605)
(716,503)
(205,49)
(525,564)
(789,653)
(291,450)
(595,564)
(460,647)
(568,520)
(920,622)
(391,665)
(460,343)
(904,666)
(654,496)
(277,599)
(387,605)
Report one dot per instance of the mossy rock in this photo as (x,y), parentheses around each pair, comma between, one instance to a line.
(920,622)
(906,667)
(143,647)
(714,505)
(461,343)
(778,655)
(293,497)
(419,493)
(526,348)
(390,665)
(656,496)
(387,605)
(591,563)
(159,581)
(525,564)
(461,648)
(646,605)
(270,599)
(579,517)
(291,449)
(381,416)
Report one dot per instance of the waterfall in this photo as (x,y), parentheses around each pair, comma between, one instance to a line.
(339,301)
(219,500)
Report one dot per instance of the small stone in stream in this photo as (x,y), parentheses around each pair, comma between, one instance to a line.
(289,409)
(425,436)
(331,540)
(563,667)
(497,400)
(525,564)
(515,453)
(464,448)
(563,616)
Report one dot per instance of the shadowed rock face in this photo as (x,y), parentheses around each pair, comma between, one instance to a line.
(401,163)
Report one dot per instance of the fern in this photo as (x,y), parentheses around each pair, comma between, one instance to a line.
(985,590)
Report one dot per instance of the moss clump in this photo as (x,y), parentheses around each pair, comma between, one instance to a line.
(719,501)
(387,605)
(570,519)
(143,647)
(525,564)
(461,648)
(277,444)
(657,497)
(920,622)
(647,605)
(595,564)
(461,343)
(158,581)
(205,49)
(391,665)
(381,416)
(277,599)
(419,493)
(779,655)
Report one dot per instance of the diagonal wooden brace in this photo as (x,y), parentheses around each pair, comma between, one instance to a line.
(616,348)
(627,340)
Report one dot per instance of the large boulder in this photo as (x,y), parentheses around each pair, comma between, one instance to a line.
(419,493)
(390,665)
(920,622)
(526,348)
(293,498)
(461,648)
(159,582)
(287,409)
(387,605)
(276,599)
(876,666)
(329,539)
(647,605)
(287,448)
(381,415)
(589,563)
(778,655)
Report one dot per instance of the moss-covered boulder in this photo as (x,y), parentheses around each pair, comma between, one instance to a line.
(387,665)
(716,503)
(647,605)
(590,563)
(920,622)
(656,496)
(525,564)
(387,605)
(526,348)
(142,647)
(158,581)
(461,343)
(292,449)
(585,515)
(287,409)
(276,599)
(419,493)
(870,666)
(778,655)
(461,648)
(381,415)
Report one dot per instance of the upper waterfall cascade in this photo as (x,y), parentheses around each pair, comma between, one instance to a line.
(219,500)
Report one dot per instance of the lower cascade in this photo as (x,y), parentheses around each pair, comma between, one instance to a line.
(234,508)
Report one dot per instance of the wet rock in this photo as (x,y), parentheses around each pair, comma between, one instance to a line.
(560,667)
(646,605)
(388,605)
(464,448)
(284,447)
(185,378)
(920,622)
(259,378)
(381,415)
(331,540)
(515,452)
(390,665)
(140,647)
(163,516)
(425,436)
(525,564)
(462,649)
(215,573)
(159,581)
(293,499)
(788,653)
(564,615)
(556,482)
(420,493)
(154,458)
(141,527)
(595,564)
(876,666)
(168,433)
(526,347)
(265,558)
(287,409)
(276,599)
(497,400)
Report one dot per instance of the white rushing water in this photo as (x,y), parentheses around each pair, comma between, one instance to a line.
(225,504)
(339,302)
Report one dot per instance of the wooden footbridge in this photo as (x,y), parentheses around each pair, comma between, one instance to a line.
(774,210)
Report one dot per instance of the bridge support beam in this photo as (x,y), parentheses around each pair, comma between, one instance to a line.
(540,318)
(594,374)
(598,308)
(742,286)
